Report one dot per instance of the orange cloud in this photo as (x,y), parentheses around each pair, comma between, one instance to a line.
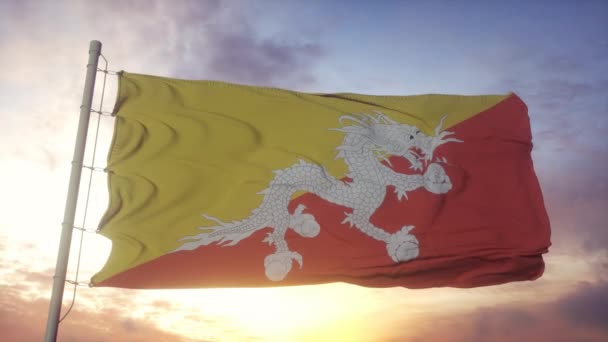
(23,320)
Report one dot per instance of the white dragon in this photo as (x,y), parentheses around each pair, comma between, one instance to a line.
(368,141)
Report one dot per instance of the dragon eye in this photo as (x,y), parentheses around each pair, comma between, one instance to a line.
(411,137)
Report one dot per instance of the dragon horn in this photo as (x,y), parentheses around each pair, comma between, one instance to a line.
(375,119)
(440,125)
(383,117)
(350,117)
(349,129)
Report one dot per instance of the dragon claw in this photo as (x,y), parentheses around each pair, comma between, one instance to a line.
(436,180)
(416,165)
(401,194)
(348,219)
(268,239)
(402,245)
(304,224)
(278,265)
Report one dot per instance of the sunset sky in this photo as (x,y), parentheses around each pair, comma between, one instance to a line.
(553,54)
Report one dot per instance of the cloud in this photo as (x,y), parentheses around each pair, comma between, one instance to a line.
(578,316)
(25,320)
(564,85)
(199,40)
(44,278)
(575,189)
(44,43)
(100,314)
(241,57)
(583,222)
(587,306)
(565,92)
(162,305)
(186,38)
(564,88)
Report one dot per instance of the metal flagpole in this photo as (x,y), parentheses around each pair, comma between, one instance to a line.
(70,206)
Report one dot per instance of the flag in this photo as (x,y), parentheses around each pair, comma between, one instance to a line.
(215,184)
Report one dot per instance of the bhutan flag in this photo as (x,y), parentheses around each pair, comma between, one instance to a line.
(222,185)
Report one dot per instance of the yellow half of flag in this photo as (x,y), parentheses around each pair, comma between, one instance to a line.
(183,148)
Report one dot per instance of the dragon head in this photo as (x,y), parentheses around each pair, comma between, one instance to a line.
(388,137)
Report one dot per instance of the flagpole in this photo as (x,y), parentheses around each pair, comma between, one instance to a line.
(70,206)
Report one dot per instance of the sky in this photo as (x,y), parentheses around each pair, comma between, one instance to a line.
(553,54)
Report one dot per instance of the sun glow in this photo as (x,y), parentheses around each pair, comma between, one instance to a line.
(321,313)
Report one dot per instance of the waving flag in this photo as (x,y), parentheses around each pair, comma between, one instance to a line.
(222,185)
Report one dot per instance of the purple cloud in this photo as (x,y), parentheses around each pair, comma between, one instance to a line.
(239,55)
(242,58)
(587,306)
(206,40)
(578,316)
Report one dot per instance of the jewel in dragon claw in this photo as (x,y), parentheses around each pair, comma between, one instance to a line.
(304,224)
